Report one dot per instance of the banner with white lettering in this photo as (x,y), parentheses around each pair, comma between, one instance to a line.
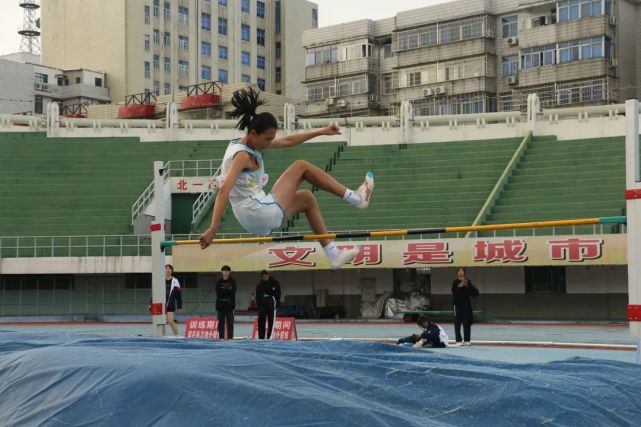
(479,252)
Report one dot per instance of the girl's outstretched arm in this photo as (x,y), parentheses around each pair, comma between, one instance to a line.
(240,162)
(293,140)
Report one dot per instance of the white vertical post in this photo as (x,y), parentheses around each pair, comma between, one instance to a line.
(159,316)
(633,209)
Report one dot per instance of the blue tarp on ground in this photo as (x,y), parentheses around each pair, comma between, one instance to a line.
(58,379)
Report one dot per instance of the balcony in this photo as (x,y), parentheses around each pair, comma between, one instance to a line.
(353,66)
(574,70)
(563,31)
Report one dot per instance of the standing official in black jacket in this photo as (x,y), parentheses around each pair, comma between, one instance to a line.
(462,290)
(226,303)
(268,299)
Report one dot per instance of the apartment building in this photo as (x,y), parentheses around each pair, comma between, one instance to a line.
(163,46)
(26,86)
(472,56)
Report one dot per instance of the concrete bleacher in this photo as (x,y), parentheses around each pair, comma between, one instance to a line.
(75,187)
(564,180)
(417,186)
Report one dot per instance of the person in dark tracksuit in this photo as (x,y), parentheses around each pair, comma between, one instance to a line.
(268,299)
(433,336)
(226,303)
(462,290)
(173,297)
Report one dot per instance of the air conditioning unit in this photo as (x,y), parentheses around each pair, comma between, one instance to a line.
(373,97)
(513,41)
(38,86)
(613,20)
(614,62)
(439,90)
(329,101)
(427,92)
(341,103)
(512,80)
(45,87)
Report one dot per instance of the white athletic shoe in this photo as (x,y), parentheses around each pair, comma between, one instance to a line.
(467,343)
(345,256)
(365,190)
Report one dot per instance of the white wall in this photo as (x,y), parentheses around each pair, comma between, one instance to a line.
(17,91)
(596,280)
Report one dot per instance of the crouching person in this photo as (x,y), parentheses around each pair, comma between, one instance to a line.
(433,336)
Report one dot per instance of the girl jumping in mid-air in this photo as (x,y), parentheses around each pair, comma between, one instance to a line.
(243,177)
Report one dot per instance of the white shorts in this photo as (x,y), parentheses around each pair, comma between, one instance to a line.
(259,214)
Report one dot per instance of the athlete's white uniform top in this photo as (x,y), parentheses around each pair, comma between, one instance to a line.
(257,212)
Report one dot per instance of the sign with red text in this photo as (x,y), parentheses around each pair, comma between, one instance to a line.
(191,185)
(284,329)
(202,327)
(507,252)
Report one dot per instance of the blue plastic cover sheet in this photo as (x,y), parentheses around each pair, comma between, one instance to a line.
(58,379)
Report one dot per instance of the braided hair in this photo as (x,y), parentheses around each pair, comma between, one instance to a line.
(246,102)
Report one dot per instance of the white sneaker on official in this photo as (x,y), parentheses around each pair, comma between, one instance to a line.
(467,343)
(365,190)
(346,256)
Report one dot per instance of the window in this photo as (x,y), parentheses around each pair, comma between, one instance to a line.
(42,78)
(277,50)
(98,82)
(244,58)
(569,51)
(222,3)
(571,10)
(260,9)
(205,48)
(167,39)
(510,26)
(510,65)
(387,51)
(277,17)
(167,88)
(260,62)
(414,79)
(183,67)
(147,70)
(244,32)
(278,74)
(156,88)
(545,280)
(314,18)
(77,80)
(183,15)
(167,11)
(38,105)
(205,73)
(147,42)
(156,7)
(222,76)
(156,37)
(260,37)
(358,51)
(167,65)
(261,84)
(147,14)
(244,6)
(322,55)
(222,26)
(156,62)
(222,52)
(538,56)
(183,42)
(591,48)
(205,21)
(245,78)
(182,88)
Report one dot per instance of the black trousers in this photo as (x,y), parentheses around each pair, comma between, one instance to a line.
(225,319)
(265,313)
(467,330)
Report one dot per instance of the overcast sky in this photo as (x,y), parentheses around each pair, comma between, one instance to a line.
(330,12)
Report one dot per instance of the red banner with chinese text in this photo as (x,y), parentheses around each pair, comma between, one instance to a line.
(202,327)
(284,329)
